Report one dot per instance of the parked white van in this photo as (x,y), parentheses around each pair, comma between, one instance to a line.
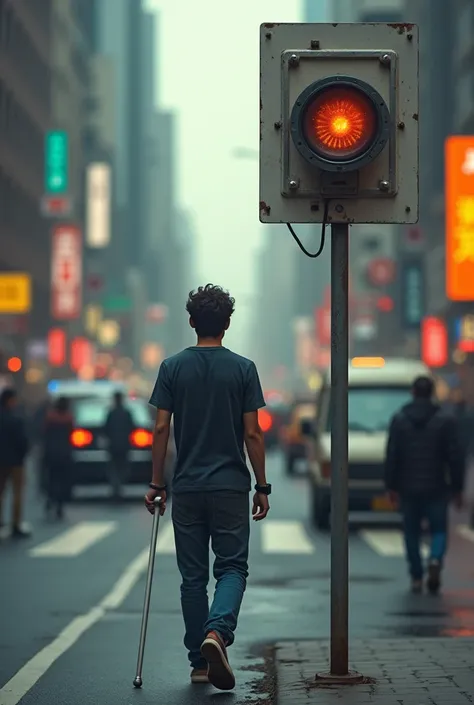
(378,388)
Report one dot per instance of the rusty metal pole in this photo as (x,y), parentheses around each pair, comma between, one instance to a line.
(339,655)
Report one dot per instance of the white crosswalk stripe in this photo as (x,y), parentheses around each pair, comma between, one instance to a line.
(387,542)
(285,537)
(165,543)
(74,541)
(466,532)
(271,537)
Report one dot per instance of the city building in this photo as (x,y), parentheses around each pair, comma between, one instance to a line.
(273,337)
(446,108)
(25,107)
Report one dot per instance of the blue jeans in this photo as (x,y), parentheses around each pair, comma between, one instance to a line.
(414,509)
(223,518)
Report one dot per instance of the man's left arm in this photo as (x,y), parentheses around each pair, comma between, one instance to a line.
(161,434)
(162,400)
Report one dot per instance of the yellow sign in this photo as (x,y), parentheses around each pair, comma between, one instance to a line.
(15,293)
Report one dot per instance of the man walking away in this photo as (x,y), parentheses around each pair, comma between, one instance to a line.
(13,451)
(118,427)
(423,470)
(58,457)
(214,395)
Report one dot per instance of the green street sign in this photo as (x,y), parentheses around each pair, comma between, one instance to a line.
(117,304)
(56,161)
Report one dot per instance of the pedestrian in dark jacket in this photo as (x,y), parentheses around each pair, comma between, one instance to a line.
(423,471)
(13,452)
(57,454)
(118,427)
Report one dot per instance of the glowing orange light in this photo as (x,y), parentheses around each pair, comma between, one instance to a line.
(368,362)
(265,420)
(81,438)
(14,364)
(341,122)
(141,438)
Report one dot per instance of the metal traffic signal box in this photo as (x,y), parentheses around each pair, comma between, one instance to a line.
(339,123)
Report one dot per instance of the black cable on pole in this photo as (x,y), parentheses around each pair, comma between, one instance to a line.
(323,234)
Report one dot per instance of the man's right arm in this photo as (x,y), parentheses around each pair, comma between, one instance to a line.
(253,435)
(255,444)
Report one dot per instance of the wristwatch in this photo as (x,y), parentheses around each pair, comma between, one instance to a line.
(264,489)
(157,488)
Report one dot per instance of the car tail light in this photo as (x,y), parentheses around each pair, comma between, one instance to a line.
(326,470)
(141,438)
(81,438)
(265,420)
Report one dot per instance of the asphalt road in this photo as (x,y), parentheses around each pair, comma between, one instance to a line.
(71,598)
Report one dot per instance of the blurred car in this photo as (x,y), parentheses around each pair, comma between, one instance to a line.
(293,442)
(91,455)
(271,419)
(377,391)
(75,389)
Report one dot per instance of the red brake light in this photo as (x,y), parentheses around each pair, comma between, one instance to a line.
(141,438)
(265,420)
(81,438)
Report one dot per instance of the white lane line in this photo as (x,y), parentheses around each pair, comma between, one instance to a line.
(166,544)
(285,537)
(24,680)
(388,543)
(74,541)
(466,532)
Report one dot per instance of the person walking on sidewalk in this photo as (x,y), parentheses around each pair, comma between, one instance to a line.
(423,471)
(58,455)
(13,451)
(118,427)
(214,396)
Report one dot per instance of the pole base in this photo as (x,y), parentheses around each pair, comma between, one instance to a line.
(350,678)
(137,683)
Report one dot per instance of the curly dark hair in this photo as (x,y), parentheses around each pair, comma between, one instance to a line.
(210,308)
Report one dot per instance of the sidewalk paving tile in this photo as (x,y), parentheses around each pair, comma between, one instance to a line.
(421,671)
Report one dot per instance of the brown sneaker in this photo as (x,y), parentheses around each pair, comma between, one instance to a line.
(220,673)
(199,675)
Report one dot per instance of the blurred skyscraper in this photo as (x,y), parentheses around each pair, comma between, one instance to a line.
(25,116)
(446,108)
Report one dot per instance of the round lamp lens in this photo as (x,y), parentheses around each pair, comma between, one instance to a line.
(340,123)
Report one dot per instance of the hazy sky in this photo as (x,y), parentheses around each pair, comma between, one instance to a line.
(209,72)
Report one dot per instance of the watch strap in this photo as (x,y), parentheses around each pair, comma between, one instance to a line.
(157,488)
(263,489)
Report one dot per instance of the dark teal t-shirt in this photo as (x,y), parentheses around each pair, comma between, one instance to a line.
(208,390)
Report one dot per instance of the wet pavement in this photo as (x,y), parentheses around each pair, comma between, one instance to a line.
(73,602)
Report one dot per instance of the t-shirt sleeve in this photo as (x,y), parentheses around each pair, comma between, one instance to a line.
(253,394)
(162,395)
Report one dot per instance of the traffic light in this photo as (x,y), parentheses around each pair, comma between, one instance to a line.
(339,123)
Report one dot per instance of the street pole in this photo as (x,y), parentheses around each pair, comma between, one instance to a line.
(339,448)
(339,651)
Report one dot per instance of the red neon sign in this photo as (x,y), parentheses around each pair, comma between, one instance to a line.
(81,353)
(434,342)
(323,325)
(56,347)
